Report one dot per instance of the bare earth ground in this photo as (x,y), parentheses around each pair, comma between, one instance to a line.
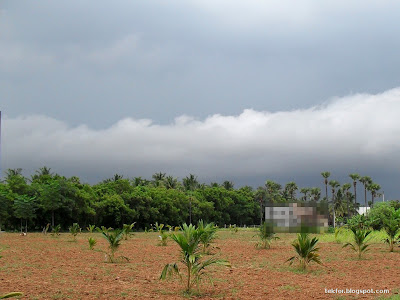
(45,267)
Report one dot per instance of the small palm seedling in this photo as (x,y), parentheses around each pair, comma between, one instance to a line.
(392,228)
(189,242)
(163,235)
(104,229)
(114,241)
(90,228)
(360,241)
(92,242)
(233,228)
(127,228)
(306,249)
(74,230)
(266,235)
(11,295)
(208,236)
(55,231)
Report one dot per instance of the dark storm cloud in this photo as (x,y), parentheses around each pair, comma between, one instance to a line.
(98,63)
(355,133)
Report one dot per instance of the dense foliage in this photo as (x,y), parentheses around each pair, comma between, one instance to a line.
(48,199)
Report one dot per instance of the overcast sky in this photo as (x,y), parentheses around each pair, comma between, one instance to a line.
(227,90)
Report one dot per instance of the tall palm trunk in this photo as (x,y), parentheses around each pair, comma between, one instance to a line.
(326,190)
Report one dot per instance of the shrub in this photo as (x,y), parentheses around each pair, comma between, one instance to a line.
(189,242)
(266,235)
(360,241)
(306,249)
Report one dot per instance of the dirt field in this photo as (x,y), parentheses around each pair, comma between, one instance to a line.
(44,267)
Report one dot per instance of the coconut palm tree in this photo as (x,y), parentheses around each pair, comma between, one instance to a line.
(171,182)
(158,178)
(365,180)
(326,176)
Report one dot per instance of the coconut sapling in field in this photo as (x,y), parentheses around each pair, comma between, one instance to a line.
(266,235)
(114,242)
(163,235)
(391,225)
(306,250)
(74,230)
(90,228)
(189,242)
(208,236)
(359,244)
(55,231)
(92,242)
(127,228)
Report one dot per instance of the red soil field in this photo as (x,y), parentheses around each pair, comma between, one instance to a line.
(46,267)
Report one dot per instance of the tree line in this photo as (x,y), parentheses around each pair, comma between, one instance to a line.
(48,198)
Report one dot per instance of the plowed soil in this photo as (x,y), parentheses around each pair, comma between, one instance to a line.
(46,267)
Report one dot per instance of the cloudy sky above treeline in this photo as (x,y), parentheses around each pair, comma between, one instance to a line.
(227,90)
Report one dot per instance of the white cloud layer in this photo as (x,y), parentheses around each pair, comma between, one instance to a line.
(358,132)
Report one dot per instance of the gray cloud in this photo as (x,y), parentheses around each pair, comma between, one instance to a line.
(355,133)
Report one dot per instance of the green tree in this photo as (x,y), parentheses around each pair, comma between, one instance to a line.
(24,209)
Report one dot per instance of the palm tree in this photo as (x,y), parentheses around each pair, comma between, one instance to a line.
(315,193)
(373,188)
(334,184)
(326,176)
(158,178)
(305,191)
(365,180)
(290,189)
(171,182)
(355,177)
